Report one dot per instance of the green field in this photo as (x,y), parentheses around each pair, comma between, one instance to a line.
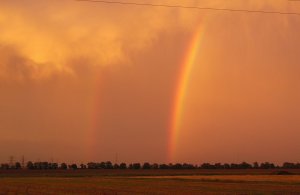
(148,182)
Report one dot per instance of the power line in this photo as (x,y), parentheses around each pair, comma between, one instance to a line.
(192,7)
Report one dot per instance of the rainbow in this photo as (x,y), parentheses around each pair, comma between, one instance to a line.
(181,91)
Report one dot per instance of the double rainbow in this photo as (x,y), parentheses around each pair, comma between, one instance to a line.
(177,112)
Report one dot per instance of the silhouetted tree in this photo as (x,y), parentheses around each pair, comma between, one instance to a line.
(18,165)
(218,166)
(163,166)
(123,166)
(207,166)
(234,166)
(5,166)
(91,165)
(226,166)
(73,166)
(53,166)
(63,166)
(36,165)
(41,165)
(116,166)
(136,166)
(108,165)
(102,165)
(154,166)
(146,165)
(255,165)
(187,166)
(267,165)
(177,166)
(29,165)
(82,166)
(245,165)
(288,165)
(44,165)
(130,166)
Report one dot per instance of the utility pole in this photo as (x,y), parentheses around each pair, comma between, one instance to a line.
(11,161)
(116,159)
(23,162)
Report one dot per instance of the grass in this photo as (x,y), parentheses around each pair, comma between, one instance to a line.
(147,182)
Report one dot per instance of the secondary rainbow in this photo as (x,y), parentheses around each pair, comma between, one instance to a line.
(181,91)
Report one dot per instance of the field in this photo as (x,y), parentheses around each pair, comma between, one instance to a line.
(125,182)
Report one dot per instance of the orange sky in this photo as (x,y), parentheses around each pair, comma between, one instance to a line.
(83,81)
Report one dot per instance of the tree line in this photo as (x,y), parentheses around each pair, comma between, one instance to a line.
(109,165)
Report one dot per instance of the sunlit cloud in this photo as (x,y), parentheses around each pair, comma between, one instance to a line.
(45,37)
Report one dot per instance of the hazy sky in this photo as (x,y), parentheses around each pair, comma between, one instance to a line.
(85,81)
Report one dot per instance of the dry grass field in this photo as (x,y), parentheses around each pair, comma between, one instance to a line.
(148,182)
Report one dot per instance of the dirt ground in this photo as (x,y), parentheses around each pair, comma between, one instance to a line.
(149,182)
